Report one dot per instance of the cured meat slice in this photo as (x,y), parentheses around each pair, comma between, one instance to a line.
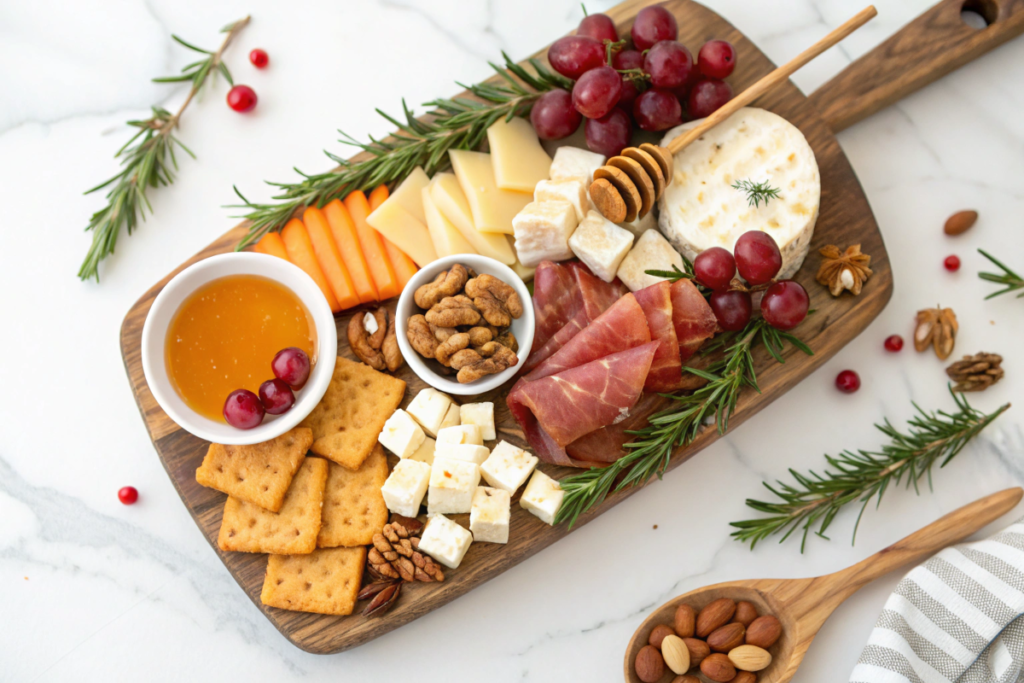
(666,369)
(560,339)
(606,445)
(692,317)
(598,295)
(556,300)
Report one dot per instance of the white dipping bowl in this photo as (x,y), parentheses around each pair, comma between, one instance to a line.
(522,328)
(154,335)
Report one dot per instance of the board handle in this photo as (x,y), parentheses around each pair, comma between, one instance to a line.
(929,47)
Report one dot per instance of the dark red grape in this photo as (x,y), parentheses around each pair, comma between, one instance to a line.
(573,56)
(628,95)
(276,396)
(706,96)
(784,304)
(715,268)
(291,366)
(847,381)
(757,257)
(669,63)
(716,59)
(243,409)
(657,110)
(628,59)
(732,309)
(600,27)
(553,116)
(597,92)
(652,24)
(609,134)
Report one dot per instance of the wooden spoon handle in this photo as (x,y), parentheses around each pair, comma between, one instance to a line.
(780,75)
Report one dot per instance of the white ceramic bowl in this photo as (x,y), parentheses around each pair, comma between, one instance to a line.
(522,328)
(154,334)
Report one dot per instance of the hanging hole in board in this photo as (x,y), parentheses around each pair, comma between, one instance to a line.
(979,14)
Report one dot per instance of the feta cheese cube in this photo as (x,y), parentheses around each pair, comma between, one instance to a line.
(508,467)
(571,190)
(573,162)
(429,409)
(452,483)
(481,415)
(401,435)
(445,541)
(466,452)
(542,231)
(490,515)
(405,487)
(451,418)
(601,245)
(425,453)
(642,225)
(651,252)
(542,496)
(463,433)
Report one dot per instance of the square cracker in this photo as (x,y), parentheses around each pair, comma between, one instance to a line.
(258,474)
(351,415)
(354,508)
(293,530)
(325,581)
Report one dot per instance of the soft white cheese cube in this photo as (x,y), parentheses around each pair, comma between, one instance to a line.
(452,483)
(601,245)
(651,252)
(573,162)
(401,435)
(542,231)
(466,452)
(445,541)
(451,418)
(642,225)
(429,408)
(572,190)
(542,496)
(490,515)
(508,467)
(405,487)
(481,415)
(463,433)
(425,453)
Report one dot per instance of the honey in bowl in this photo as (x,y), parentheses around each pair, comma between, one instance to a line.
(224,336)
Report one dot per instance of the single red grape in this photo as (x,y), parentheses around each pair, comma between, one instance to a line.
(243,409)
(669,63)
(628,59)
(757,257)
(291,366)
(952,263)
(732,309)
(706,96)
(652,24)
(656,110)
(610,134)
(242,98)
(276,396)
(600,27)
(573,56)
(848,381)
(628,95)
(784,304)
(259,58)
(894,343)
(597,92)
(716,59)
(553,116)
(715,268)
(127,494)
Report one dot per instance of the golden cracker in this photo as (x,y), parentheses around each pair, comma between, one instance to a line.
(325,581)
(354,508)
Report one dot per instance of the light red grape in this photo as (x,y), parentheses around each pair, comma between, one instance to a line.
(669,63)
(732,309)
(757,257)
(597,92)
(784,304)
(628,59)
(573,56)
(242,98)
(848,381)
(291,366)
(652,24)
(243,409)
(609,134)
(716,59)
(628,95)
(276,396)
(706,96)
(553,116)
(715,268)
(656,110)
(600,27)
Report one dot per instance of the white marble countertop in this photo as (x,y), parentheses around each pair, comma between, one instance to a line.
(94,590)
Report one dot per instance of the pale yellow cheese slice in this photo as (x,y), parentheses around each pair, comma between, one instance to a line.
(449,199)
(405,231)
(409,194)
(446,237)
(492,207)
(518,160)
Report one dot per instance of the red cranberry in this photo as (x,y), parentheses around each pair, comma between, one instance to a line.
(127,495)
(848,381)
(259,58)
(242,98)
(952,263)
(894,343)
(243,409)
(291,366)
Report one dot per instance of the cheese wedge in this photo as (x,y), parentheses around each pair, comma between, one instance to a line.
(449,199)
(409,194)
(404,230)
(518,159)
(493,208)
(446,237)
(700,208)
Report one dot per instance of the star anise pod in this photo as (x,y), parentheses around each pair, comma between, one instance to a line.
(382,595)
(843,270)
(936,327)
(977,372)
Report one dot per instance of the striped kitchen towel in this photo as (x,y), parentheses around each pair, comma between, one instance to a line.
(957,617)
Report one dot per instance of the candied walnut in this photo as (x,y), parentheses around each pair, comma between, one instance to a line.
(452,345)
(442,333)
(498,301)
(453,311)
(389,349)
(447,283)
(478,336)
(367,346)
(421,337)
(506,338)
(489,359)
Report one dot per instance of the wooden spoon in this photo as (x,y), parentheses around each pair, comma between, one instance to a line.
(803,605)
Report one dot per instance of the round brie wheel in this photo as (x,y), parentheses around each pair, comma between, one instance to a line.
(700,208)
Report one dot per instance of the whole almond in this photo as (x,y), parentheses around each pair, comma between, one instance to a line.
(960,222)
(718,668)
(713,615)
(659,633)
(750,658)
(685,621)
(698,650)
(745,612)
(743,677)
(764,631)
(675,654)
(727,637)
(687,679)
(649,665)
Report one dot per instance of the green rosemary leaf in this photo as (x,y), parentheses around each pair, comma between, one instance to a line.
(1011,280)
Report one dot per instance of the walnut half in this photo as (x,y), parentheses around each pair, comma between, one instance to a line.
(489,359)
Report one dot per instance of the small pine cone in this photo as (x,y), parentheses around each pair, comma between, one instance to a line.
(977,372)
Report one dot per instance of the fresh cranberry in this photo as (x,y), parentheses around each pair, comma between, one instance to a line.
(894,343)
(848,381)
(952,263)
(259,58)
(128,495)
(242,98)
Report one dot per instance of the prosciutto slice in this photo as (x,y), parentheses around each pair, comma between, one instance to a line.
(556,300)
(666,369)
(692,317)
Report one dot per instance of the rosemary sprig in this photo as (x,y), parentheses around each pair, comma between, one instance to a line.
(651,450)
(815,499)
(458,123)
(757,192)
(1011,280)
(147,159)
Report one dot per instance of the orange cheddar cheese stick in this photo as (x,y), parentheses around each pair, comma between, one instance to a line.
(373,246)
(400,261)
(344,232)
(272,244)
(300,252)
(329,258)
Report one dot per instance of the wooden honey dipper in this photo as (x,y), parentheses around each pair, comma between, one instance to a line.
(628,185)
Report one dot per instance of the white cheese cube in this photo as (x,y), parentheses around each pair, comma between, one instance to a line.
(490,515)
(573,162)
(571,190)
(463,433)
(404,489)
(452,483)
(401,435)
(445,541)
(481,415)
(425,453)
(601,245)
(508,467)
(651,252)
(429,408)
(466,452)
(542,496)
(542,231)
(451,418)
(642,225)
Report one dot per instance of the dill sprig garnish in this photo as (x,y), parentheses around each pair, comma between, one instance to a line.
(757,192)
